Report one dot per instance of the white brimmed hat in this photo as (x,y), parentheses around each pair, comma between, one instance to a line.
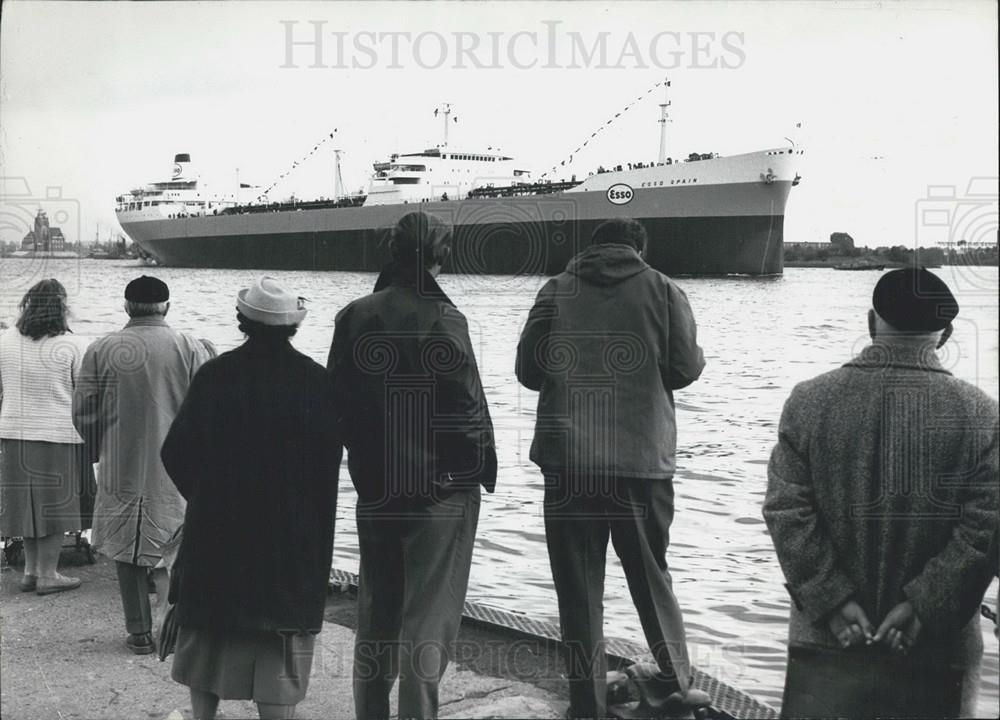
(268,303)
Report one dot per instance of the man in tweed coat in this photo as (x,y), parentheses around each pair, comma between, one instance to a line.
(882,494)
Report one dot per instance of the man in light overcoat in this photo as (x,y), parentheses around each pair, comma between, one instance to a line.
(131,385)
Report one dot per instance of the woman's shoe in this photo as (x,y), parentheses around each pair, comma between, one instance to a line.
(29,583)
(59,583)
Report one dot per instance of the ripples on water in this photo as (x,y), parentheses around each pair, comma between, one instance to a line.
(760,336)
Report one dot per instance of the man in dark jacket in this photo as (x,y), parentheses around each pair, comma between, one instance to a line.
(255,452)
(606,344)
(420,445)
(882,493)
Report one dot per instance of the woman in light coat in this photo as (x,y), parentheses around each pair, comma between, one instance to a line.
(43,461)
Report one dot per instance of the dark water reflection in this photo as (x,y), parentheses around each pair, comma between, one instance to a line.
(760,338)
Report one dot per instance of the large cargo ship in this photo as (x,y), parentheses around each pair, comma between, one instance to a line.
(707,215)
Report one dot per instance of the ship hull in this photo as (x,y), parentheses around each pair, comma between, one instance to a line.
(734,228)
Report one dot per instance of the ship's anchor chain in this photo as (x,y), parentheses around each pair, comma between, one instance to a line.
(601,129)
(295,164)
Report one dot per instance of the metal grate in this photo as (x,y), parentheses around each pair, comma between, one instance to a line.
(726,699)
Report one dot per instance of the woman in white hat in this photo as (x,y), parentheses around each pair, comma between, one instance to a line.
(255,452)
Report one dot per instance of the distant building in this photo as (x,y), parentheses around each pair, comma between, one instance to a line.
(808,245)
(842,240)
(840,243)
(57,240)
(44,238)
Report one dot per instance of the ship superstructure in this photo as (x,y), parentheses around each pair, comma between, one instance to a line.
(180,196)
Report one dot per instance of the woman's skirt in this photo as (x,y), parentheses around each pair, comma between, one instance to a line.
(45,488)
(263,666)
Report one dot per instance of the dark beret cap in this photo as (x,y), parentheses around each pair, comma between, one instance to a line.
(147,289)
(914,299)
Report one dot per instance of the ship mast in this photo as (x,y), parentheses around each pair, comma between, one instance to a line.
(664,119)
(338,180)
(446,111)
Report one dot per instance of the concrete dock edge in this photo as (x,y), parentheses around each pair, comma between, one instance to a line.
(730,702)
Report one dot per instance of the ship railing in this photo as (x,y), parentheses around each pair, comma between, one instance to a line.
(324,204)
(543,188)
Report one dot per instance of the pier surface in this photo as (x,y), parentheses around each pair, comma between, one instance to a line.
(63,657)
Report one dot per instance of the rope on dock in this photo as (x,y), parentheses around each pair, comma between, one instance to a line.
(725,698)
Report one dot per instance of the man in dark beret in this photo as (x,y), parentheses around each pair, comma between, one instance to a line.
(147,289)
(882,504)
(130,387)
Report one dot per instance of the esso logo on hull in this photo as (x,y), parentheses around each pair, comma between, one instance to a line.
(620,194)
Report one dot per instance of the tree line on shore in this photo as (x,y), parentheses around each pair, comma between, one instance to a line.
(841,249)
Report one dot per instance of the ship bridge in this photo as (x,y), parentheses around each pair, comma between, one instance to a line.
(180,196)
(441,173)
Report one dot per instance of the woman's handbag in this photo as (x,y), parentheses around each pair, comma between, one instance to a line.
(167,639)
(867,682)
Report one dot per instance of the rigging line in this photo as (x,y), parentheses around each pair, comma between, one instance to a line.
(296,164)
(601,128)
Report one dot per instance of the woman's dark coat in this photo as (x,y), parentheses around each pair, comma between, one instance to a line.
(254,451)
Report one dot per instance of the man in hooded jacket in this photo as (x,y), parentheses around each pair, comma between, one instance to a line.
(606,344)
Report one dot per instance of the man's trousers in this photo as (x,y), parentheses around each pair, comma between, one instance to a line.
(133,585)
(580,514)
(412,582)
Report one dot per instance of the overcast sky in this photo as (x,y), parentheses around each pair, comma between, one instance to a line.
(892,97)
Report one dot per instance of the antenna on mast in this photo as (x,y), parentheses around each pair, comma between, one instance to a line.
(664,119)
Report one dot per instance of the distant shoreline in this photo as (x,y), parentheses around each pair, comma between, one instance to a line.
(831,262)
(887,265)
(834,262)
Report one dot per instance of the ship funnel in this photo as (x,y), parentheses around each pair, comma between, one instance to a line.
(183,169)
